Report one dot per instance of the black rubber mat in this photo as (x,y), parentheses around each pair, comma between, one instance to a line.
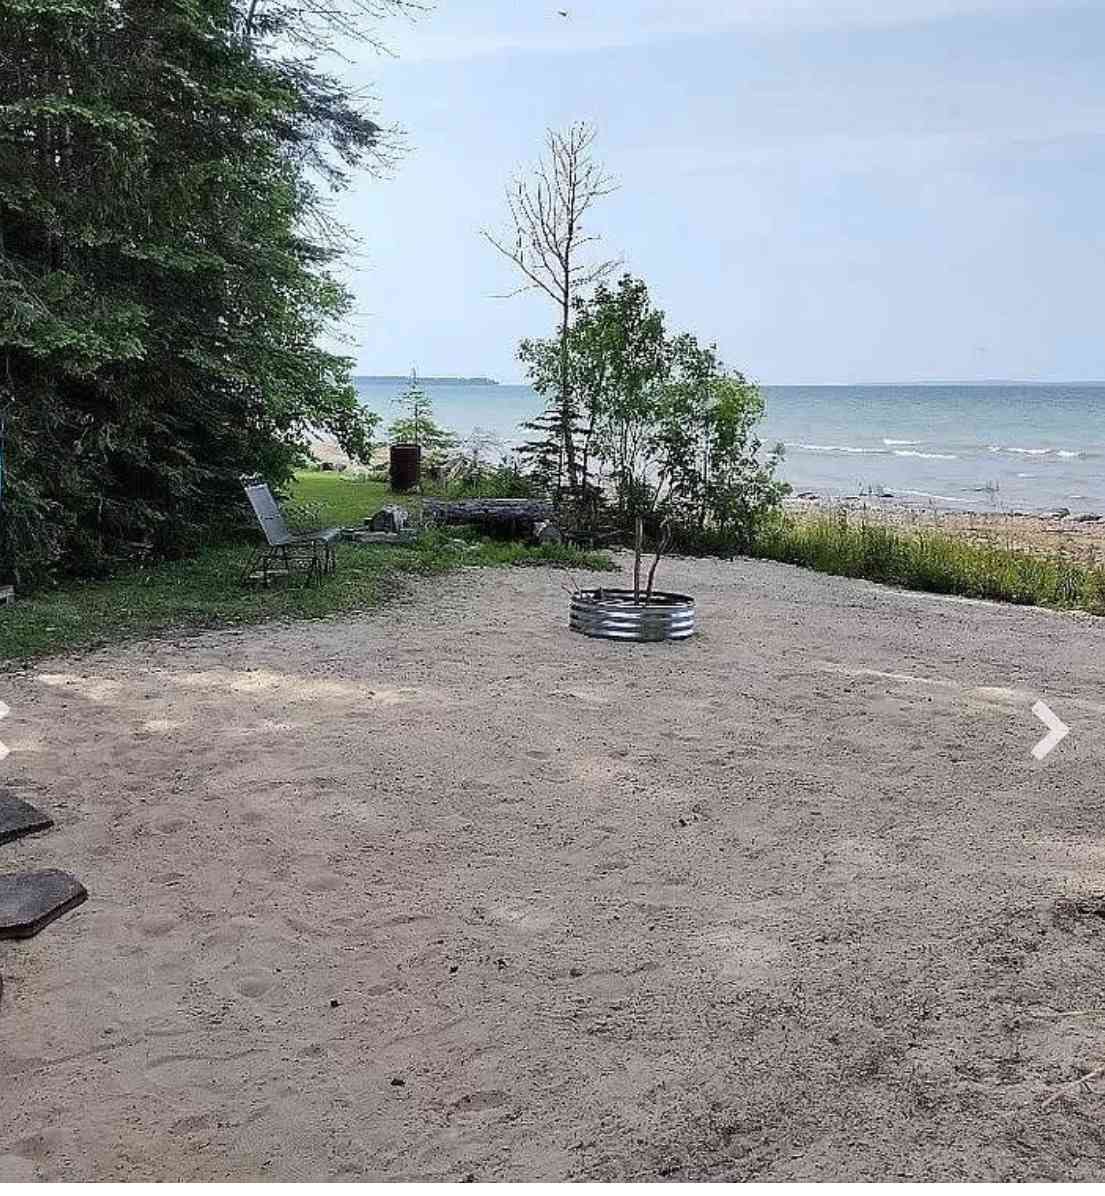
(31,900)
(20,818)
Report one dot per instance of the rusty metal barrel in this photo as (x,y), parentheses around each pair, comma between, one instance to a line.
(405,467)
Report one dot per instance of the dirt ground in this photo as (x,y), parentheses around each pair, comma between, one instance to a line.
(449,892)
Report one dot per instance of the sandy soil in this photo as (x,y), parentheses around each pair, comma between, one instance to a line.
(450,892)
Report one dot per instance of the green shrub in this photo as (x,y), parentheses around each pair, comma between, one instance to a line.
(932,561)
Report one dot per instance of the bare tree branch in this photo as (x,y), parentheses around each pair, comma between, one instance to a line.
(547,210)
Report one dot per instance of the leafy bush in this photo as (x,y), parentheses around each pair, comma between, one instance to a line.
(663,428)
(436,442)
(505,480)
(303,516)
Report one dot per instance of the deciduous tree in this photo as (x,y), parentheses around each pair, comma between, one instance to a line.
(547,243)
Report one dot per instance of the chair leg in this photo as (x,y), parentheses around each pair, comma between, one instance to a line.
(260,560)
(252,562)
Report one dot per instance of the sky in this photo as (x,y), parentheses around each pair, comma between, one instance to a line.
(833,191)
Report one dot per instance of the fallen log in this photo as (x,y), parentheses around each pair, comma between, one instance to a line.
(500,514)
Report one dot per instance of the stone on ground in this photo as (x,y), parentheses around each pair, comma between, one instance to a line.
(389,519)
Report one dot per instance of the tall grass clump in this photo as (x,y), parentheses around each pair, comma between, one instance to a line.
(932,561)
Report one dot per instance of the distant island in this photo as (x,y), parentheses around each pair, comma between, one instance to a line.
(426,380)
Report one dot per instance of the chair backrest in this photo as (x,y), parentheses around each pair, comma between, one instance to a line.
(267,511)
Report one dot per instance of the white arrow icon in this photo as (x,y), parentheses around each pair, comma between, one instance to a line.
(5,710)
(1057,730)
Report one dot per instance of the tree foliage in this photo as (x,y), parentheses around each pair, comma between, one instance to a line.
(437,442)
(164,253)
(662,425)
(417,426)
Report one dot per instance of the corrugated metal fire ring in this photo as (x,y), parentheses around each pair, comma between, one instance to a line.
(612,615)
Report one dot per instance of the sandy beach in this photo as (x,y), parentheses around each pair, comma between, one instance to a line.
(449,892)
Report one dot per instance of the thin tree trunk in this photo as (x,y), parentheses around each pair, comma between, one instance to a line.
(567,430)
(665,537)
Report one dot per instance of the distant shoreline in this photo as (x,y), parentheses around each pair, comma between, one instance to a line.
(427,380)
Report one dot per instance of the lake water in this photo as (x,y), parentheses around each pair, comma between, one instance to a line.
(959,447)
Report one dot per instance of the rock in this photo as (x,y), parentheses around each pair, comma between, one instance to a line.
(1085,518)
(355,535)
(1055,513)
(389,519)
(546,532)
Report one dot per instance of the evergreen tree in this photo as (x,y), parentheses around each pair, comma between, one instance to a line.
(164,245)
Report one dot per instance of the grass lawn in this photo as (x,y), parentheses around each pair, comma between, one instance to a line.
(205,591)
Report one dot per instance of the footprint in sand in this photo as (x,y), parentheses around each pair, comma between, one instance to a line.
(477,1102)
(323,882)
(14,1169)
(166,826)
(157,925)
(254,984)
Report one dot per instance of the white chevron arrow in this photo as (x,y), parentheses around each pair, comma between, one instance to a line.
(1057,730)
(5,710)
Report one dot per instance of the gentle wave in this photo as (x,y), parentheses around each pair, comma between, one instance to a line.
(938,497)
(1036,452)
(833,448)
(927,456)
(890,443)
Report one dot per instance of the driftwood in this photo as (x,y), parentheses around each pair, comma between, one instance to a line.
(499,514)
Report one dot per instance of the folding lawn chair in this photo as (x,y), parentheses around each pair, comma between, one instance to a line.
(283,550)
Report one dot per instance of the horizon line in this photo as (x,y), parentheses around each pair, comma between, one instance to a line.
(827,385)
